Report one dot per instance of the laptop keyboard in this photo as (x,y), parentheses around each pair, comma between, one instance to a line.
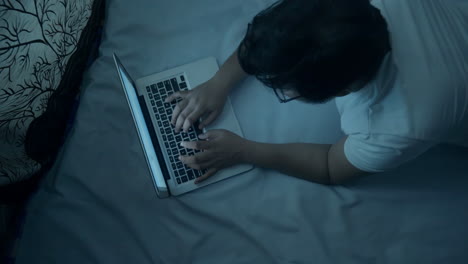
(163,112)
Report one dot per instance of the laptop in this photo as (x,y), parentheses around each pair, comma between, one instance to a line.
(160,143)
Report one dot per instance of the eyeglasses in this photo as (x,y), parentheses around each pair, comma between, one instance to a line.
(283,98)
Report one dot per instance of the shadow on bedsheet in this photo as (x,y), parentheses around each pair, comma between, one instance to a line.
(442,168)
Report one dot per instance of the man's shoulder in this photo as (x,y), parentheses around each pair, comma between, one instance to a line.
(375,152)
(356,108)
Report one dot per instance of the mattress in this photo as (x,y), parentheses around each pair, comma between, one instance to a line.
(98,204)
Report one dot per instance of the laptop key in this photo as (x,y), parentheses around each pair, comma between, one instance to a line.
(182,172)
(163,116)
(167,84)
(173,144)
(183,85)
(161,110)
(183,152)
(167,105)
(193,136)
(178,138)
(147,89)
(180,165)
(168,131)
(150,96)
(169,111)
(171,159)
(166,123)
(167,145)
(179,181)
(160,85)
(158,117)
(157,97)
(175,85)
(152,102)
(175,151)
(182,78)
(184,179)
(170,137)
(159,104)
(173,166)
(191,174)
(154,89)
(159,124)
(164,136)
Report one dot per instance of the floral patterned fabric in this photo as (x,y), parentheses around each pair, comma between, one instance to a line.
(37,40)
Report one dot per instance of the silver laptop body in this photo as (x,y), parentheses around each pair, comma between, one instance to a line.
(158,139)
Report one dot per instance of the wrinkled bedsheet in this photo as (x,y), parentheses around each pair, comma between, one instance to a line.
(98,205)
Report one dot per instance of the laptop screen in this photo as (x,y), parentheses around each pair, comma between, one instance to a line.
(142,129)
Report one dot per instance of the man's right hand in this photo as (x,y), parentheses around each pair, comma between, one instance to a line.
(205,101)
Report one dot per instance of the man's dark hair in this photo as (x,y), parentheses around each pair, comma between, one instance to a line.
(319,47)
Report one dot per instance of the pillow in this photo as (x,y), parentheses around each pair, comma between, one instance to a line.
(44,46)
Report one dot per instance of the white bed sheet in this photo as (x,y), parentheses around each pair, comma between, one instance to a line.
(98,204)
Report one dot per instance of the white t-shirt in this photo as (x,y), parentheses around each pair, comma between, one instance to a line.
(420,95)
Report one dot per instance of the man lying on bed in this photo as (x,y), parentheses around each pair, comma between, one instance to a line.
(400,86)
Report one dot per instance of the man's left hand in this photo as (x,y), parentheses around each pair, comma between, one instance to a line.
(221,149)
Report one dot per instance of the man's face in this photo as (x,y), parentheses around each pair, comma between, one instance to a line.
(291,93)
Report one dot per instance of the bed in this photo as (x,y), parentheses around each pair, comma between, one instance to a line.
(98,204)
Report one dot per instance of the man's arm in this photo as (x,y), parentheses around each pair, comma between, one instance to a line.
(231,73)
(321,163)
